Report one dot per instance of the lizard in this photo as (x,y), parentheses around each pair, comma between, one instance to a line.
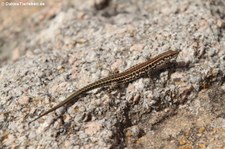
(129,75)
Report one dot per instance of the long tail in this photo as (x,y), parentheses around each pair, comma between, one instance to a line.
(69,99)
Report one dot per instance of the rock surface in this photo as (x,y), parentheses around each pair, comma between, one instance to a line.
(65,46)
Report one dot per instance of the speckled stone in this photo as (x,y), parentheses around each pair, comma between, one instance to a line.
(67,45)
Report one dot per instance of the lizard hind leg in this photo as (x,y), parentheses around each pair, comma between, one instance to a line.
(112,72)
(114,85)
(111,87)
(115,71)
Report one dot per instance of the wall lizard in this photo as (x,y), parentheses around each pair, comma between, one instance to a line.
(131,74)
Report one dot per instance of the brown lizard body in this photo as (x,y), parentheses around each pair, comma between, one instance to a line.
(133,73)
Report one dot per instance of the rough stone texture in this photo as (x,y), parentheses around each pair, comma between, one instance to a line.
(65,46)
